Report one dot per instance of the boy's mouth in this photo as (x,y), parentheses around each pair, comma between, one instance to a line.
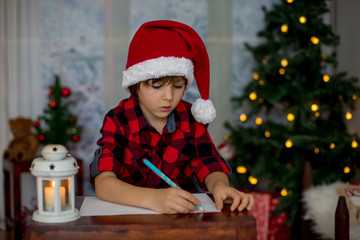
(165,108)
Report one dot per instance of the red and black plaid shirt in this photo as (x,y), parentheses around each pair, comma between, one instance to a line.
(184,152)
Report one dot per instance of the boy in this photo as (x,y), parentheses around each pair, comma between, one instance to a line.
(156,124)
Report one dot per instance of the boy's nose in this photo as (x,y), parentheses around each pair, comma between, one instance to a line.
(168,94)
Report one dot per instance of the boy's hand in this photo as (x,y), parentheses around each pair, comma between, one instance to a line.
(173,200)
(218,185)
(240,200)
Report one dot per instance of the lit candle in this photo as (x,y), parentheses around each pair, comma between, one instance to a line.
(50,195)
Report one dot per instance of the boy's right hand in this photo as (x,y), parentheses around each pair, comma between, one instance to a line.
(173,200)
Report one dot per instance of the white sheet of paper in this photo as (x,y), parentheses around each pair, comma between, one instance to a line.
(92,206)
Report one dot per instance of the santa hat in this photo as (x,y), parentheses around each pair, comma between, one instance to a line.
(168,48)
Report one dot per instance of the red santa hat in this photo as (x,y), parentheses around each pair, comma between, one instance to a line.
(168,48)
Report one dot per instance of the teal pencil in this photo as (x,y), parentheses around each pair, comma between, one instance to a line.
(164,177)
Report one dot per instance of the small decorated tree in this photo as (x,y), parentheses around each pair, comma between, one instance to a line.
(57,125)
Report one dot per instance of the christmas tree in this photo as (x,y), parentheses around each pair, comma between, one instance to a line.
(57,125)
(294,110)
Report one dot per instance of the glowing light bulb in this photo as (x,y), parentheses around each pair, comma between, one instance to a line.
(253,180)
(290,117)
(348,115)
(354,97)
(262,82)
(256,76)
(241,169)
(316,150)
(258,121)
(267,134)
(332,145)
(252,96)
(284,28)
(326,78)
(315,40)
(261,100)
(317,114)
(346,170)
(243,117)
(290,1)
(314,107)
(282,71)
(354,144)
(284,192)
(284,62)
(302,19)
(288,143)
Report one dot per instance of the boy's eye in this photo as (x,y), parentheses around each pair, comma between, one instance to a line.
(156,86)
(179,86)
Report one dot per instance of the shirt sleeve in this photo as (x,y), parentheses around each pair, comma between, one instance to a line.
(110,149)
(208,159)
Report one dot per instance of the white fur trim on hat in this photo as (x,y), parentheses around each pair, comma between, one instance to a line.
(158,67)
(203,111)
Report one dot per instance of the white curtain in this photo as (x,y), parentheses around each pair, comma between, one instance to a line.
(20,81)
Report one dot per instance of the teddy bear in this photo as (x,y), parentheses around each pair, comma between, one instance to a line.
(25,144)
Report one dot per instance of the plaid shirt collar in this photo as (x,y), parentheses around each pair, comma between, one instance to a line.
(178,118)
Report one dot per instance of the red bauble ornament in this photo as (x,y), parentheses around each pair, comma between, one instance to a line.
(37,124)
(50,92)
(75,138)
(72,121)
(65,92)
(53,104)
(41,138)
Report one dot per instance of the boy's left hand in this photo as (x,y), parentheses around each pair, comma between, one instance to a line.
(240,200)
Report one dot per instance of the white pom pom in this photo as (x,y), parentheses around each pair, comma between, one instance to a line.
(203,111)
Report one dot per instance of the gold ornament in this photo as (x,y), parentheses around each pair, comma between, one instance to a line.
(348,115)
(354,144)
(267,134)
(302,19)
(284,62)
(332,145)
(288,143)
(314,107)
(252,96)
(284,28)
(316,150)
(258,121)
(282,71)
(346,170)
(315,40)
(243,117)
(290,117)
(326,78)
(284,192)
(241,169)
(253,180)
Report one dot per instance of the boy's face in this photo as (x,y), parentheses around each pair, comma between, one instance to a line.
(158,100)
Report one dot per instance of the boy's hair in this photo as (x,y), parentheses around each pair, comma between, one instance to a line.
(134,89)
